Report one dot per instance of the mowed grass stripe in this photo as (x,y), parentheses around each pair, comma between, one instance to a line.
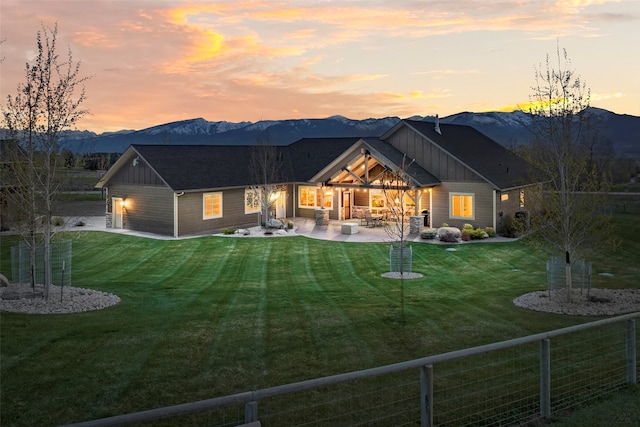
(331,323)
(164,336)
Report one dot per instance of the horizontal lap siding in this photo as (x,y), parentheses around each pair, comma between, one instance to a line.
(190,213)
(149,208)
(483,196)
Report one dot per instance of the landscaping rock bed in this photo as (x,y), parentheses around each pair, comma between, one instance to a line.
(23,299)
(598,302)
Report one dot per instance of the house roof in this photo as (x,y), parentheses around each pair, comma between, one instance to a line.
(202,167)
(308,156)
(194,167)
(497,165)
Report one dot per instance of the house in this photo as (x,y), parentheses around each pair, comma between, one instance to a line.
(455,173)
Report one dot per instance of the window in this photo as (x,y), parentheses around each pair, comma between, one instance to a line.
(504,197)
(522,198)
(211,205)
(252,201)
(313,197)
(461,205)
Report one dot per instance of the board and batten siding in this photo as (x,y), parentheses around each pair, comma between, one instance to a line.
(190,221)
(431,157)
(148,208)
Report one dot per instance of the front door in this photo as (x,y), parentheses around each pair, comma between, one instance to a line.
(117,212)
(346,204)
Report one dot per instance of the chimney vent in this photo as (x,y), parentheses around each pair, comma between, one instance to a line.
(438,125)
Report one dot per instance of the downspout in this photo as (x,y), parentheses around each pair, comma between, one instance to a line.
(495,199)
(430,207)
(175,212)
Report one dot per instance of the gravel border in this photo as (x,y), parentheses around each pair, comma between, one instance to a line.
(74,300)
(597,302)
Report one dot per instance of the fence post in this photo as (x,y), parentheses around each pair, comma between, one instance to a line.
(251,411)
(545,378)
(631,352)
(426,396)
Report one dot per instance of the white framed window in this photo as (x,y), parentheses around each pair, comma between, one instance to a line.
(252,198)
(462,205)
(212,205)
(315,198)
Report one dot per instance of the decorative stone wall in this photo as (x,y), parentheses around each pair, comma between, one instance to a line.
(322,217)
(415,224)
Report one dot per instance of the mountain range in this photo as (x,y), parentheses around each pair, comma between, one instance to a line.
(508,129)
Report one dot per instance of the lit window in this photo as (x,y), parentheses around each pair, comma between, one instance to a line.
(522,198)
(504,197)
(211,205)
(461,205)
(311,197)
(251,201)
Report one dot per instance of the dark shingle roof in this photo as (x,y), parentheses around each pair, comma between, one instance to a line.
(194,167)
(191,167)
(492,161)
(308,156)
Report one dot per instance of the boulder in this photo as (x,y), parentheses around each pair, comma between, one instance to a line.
(449,234)
(4,282)
(275,223)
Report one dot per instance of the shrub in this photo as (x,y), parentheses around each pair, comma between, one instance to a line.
(511,227)
(428,234)
(289,225)
(465,235)
(57,221)
(478,234)
(444,224)
(467,227)
(491,232)
(228,231)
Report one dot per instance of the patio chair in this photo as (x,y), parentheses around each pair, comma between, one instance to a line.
(368,218)
(358,214)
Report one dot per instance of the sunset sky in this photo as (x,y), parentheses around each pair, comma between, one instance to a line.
(154,62)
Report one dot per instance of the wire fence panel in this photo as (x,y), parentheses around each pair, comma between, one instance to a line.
(491,389)
(587,365)
(60,261)
(381,401)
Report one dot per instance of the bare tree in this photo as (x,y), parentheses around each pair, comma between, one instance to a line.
(571,218)
(397,191)
(265,166)
(46,103)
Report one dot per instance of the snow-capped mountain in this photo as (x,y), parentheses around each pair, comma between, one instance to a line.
(508,129)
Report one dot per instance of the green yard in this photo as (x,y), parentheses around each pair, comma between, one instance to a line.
(210,316)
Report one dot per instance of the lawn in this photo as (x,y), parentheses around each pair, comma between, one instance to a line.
(211,316)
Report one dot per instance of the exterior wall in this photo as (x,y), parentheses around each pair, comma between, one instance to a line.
(148,208)
(512,205)
(483,204)
(190,213)
(431,157)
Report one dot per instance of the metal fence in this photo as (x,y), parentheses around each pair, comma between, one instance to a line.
(581,274)
(510,382)
(60,263)
(400,258)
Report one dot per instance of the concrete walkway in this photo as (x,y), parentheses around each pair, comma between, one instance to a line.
(302,227)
